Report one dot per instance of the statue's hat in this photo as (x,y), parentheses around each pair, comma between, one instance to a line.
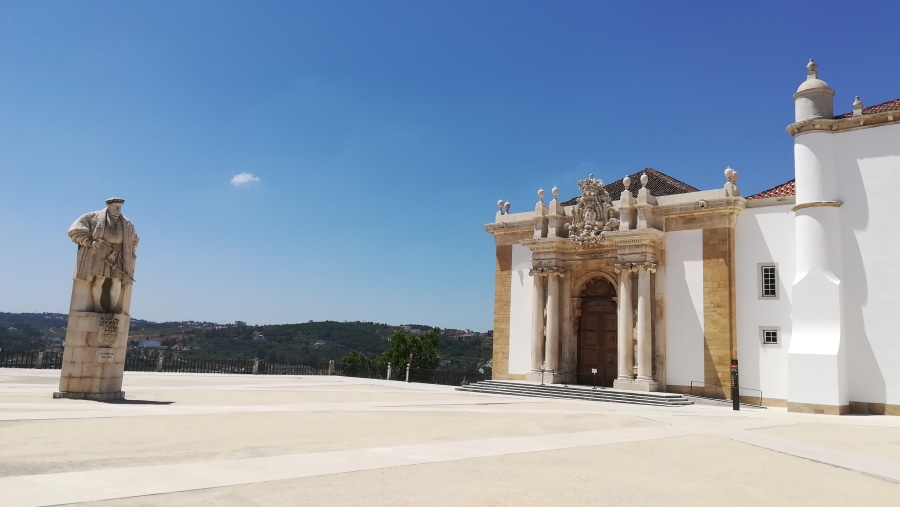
(112,200)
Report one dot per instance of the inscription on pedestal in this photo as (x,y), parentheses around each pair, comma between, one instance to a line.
(106,356)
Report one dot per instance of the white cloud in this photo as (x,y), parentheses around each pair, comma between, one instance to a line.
(243,179)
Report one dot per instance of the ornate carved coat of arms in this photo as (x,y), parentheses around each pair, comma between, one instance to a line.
(593,215)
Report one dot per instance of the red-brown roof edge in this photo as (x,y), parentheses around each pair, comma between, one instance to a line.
(785,189)
(891,105)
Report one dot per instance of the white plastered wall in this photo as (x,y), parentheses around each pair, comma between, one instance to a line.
(764,235)
(684,307)
(868,162)
(520,303)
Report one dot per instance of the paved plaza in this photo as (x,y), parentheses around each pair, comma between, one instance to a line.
(192,439)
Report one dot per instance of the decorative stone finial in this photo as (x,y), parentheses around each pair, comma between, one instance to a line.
(857,107)
(555,192)
(731,189)
(811,69)
(506,207)
(644,179)
(626,181)
(541,194)
(500,205)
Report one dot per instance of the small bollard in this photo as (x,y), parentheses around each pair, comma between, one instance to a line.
(594,377)
(331,367)
(408,366)
(159,362)
(389,371)
(256,366)
(735,386)
(40,360)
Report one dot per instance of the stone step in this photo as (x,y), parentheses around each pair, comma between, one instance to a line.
(579,387)
(572,392)
(578,395)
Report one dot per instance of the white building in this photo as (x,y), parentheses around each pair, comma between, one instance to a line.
(661,286)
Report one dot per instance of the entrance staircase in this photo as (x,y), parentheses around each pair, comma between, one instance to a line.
(576,392)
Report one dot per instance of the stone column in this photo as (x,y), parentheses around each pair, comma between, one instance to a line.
(537,316)
(551,355)
(624,337)
(644,326)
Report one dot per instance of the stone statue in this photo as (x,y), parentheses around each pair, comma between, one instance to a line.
(106,254)
(99,314)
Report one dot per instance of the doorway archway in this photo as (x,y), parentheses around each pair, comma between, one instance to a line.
(597,333)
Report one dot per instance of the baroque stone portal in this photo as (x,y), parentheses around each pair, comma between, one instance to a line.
(97,332)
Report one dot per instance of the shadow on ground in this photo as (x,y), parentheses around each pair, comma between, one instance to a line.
(136,402)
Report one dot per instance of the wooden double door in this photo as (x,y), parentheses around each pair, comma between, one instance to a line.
(597,343)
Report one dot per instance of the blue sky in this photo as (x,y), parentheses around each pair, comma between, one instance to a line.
(379,135)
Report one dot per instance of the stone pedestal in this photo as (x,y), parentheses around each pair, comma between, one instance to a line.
(546,377)
(94,356)
(636,385)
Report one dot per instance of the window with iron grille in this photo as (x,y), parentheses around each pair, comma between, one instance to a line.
(770,336)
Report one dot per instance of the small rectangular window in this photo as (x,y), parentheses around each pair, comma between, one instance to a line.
(770,336)
(768,281)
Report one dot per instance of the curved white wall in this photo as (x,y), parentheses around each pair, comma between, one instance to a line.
(814,167)
(764,235)
(520,296)
(684,307)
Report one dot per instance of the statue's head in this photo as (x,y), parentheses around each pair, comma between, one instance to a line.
(114,206)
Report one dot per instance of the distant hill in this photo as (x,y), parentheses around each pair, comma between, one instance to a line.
(306,342)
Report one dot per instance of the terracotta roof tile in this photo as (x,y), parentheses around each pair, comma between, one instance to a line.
(891,105)
(783,190)
(658,183)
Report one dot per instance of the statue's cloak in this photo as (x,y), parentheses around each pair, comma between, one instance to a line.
(90,261)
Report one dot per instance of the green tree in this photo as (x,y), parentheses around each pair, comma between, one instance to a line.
(357,357)
(424,348)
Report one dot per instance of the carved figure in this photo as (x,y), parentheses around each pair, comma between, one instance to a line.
(106,253)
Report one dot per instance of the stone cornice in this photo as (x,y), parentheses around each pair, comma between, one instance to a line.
(550,245)
(703,207)
(771,201)
(710,216)
(835,125)
(509,227)
(612,240)
(818,204)
(635,237)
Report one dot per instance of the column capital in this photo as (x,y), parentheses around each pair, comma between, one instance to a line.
(550,271)
(626,266)
(649,266)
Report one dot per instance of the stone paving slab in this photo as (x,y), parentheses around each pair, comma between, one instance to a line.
(259,440)
(632,474)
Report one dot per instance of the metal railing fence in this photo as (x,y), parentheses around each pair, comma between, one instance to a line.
(702,384)
(175,364)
